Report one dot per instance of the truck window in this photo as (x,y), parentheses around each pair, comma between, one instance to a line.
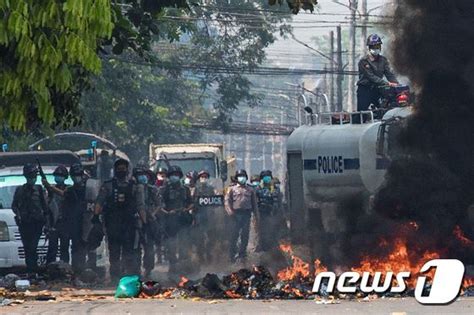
(8,185)
(192,165)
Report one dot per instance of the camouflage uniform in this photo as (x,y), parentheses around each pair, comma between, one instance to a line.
(31,213)
(269,208)
(176,220)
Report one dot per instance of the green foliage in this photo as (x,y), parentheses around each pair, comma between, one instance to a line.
(134,105)
(42,43)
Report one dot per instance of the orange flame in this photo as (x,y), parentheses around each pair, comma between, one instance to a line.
(397,261)
(299,268)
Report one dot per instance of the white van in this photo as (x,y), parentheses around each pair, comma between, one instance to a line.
(12,253)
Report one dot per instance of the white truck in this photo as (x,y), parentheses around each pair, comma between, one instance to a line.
(195,157)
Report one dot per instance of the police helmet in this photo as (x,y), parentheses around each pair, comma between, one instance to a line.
(139,170)
(151,175)
(241,173)
(266,173)
(76,169)
(175,170)
(192,174)
(30,169)
(121,162)
(162,170)
(374,40)
(203,172)
(61,170)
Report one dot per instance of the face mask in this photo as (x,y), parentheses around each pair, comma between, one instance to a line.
(374,52)
(77,180)
(203,180)
(121,174)
(187,181)
(267,179)
(59,179)
(242,180)
(174,179)
(31,180)
(142,179)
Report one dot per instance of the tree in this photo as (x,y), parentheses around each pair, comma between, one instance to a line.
(45,46)
(50,48)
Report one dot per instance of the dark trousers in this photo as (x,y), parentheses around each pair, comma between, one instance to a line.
(78,253)
(30,233)
(152,238)
(124,257)
(57,240)
(267,229)
(366,96)
(240,227)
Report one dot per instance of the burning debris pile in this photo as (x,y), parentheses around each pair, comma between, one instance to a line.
(297,280)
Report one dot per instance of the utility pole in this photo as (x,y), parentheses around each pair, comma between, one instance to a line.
(353,4)
(331,74)
(339,69)
(365,21)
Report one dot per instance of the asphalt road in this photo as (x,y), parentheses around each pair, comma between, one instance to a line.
(108,305)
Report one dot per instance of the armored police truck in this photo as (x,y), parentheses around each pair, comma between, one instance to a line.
(335,164)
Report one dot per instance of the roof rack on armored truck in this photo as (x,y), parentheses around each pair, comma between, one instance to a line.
(342,118)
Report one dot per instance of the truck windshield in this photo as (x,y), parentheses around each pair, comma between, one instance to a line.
(188,165)
(9,183)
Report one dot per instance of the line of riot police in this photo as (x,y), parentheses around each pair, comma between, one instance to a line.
(147,219)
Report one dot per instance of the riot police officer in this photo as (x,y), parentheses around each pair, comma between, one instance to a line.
(74,209)
(57,237)
(122,204)
(150,229)
(240,203)
(31,214)
(176,208)
(269,205)
(205,229)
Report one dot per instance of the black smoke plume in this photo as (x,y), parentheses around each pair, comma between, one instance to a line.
(433,182)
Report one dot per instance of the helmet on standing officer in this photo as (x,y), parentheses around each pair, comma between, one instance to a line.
(60,174)
(241,176)
(30,171)
(175,174)
(140,175)
(266,176)
(77,173)
(374,43)
(121,169)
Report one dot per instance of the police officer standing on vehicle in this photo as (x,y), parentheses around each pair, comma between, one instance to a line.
(269,206)
(122,203)
(372,70)
(57,237)
(31,214)
(177,205)
(240,203)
